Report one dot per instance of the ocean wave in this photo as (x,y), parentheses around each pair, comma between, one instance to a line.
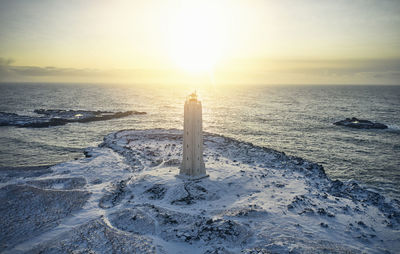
(394,127)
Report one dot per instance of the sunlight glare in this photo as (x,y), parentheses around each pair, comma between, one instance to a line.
(196,38)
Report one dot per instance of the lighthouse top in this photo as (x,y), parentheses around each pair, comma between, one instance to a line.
(192,97)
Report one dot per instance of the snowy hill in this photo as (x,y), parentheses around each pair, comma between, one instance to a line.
(124,197)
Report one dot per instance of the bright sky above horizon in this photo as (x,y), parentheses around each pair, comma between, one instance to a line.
(305,41)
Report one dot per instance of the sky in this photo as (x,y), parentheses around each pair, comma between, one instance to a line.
(219,42)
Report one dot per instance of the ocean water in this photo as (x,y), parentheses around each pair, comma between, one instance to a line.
(294,119)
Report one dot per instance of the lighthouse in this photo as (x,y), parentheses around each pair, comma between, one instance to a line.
(192,161)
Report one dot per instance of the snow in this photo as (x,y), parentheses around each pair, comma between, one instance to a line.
(125,197)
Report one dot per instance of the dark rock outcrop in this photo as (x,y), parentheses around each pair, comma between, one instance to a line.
(360,124)
(55,117)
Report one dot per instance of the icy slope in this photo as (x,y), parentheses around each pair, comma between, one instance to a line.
(256,200)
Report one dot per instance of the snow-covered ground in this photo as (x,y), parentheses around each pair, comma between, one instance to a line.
(125,197)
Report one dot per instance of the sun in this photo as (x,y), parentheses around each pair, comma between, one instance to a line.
(195,43)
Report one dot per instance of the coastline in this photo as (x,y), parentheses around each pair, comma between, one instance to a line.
(255,199)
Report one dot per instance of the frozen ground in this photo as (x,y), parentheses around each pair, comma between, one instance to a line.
(124,197)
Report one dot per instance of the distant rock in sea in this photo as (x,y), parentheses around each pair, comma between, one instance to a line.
(55,117)
(360,124)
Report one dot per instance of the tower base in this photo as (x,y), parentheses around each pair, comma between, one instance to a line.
(191,178)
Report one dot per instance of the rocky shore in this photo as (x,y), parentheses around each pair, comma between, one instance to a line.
(55,117)
(125,197)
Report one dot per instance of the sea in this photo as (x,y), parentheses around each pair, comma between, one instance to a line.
(295,119)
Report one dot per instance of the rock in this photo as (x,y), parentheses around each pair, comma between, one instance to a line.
(324,225)
(321,211)
(87,154)
(114,196)
(55,117)
(156,192)
(133,220)
(360,124)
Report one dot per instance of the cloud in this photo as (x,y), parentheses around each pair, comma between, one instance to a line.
(7,68)
(51,71)
(318,71)
(247,71)
(15,73)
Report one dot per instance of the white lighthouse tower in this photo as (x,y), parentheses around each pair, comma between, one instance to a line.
(192,161)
